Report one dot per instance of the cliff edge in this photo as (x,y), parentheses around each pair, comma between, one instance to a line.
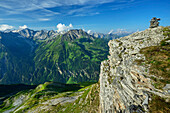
(126,86)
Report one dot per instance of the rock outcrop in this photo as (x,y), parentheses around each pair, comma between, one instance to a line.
(125,87)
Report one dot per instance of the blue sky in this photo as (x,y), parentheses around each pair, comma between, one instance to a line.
(96,15)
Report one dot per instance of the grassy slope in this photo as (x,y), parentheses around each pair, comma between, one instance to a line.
(8,91)
(56,60)
(158,57)
(12,89)
(88,101)
(78,60)
(15,59)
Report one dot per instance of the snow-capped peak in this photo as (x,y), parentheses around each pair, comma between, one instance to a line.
(111,32)
(89,31)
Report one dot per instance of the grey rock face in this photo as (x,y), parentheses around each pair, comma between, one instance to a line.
(41,35)
(76,34)
(154,22)
(125,86)
(167,88)
(106,36)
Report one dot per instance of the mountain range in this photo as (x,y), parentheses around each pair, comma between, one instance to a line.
(36,35)
(111,35)
(134,78)
(48,34)
(34,57)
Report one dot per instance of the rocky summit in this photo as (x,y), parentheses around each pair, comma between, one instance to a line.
(125,86)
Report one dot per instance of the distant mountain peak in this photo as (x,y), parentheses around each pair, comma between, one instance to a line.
(37,35)
(102,35)
(89,31)
(120,32)
(76,34)
(111,32)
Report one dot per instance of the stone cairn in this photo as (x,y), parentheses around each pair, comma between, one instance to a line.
(154,22)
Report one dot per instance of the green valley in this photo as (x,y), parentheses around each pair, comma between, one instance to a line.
(69,58)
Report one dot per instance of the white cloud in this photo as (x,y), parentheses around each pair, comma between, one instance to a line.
(32,10)
(44,19)
(23,27)
(53,3)
(29,5)
(4,27)
(62,27)
(19,7)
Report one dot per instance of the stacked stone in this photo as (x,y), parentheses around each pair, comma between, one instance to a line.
(154,22)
